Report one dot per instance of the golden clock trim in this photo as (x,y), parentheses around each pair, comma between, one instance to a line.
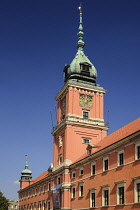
(85,101)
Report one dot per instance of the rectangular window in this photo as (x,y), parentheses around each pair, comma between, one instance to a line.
(138,192)
(44,205)
(121,158)
(120,188)
(121,195)
(81,190)
(48,205)
(49,186)
(73,174)
(138,152)
(58,180)
(59,159)
(92,199)
(44,187)
(106,194)
(93,169)
(73,192)
(85,115)
(86,141)
(137,189)
(81,172)
(105,164)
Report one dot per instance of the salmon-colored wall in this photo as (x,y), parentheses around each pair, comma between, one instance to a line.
(73,105)
(113,175)
(72,135)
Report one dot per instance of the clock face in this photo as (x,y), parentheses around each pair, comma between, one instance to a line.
(86,101)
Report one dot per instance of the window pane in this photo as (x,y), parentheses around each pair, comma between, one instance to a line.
(138,192)
(93,169)
(138,152)
(73,192)
(81,190)
(85,141)
(92,199)
(121,195)
(106,165)
(85,115)
(121,159)
(106,197)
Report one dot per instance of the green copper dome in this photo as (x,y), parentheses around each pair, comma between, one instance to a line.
(26,173)
(80,69)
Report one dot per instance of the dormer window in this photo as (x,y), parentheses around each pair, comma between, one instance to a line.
(85,67)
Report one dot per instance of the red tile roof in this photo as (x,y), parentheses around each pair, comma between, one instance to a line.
(116,136)
(42,176)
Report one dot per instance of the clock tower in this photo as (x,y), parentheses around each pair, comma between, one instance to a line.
(80,109)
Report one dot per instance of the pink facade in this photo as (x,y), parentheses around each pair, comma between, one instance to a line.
(90,170)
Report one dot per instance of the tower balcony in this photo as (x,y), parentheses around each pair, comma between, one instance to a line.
(71,119)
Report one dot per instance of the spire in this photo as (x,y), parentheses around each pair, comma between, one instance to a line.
(80,43)
(81,70)
(26,173)
(26,163)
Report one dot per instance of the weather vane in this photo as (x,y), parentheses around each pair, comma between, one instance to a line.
(26,157)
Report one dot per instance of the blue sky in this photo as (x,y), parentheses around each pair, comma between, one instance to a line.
(37,38)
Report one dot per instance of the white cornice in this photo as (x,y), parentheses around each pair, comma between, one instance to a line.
(73,120)
(78,87)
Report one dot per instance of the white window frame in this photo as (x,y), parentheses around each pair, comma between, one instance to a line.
(84,139)
(60,159)
(104,188)
(34,205)
(93,164)
(118,185)
(80,170)
(43,205)
(49,186)
(83,114)
(72,174)
(58,180)
(136,181)
(36,191)
(80,192)
(44,187)
(93,190)
(120,152)
(136,152)
(48,205)
(40,189)
(72,195)
(104,159)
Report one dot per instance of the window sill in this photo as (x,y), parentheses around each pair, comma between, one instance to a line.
(105,171)
(137,160)
(121,204)
(92,175)
(120,166)
(81,196)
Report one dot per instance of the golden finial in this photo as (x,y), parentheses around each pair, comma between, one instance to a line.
(80,8)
